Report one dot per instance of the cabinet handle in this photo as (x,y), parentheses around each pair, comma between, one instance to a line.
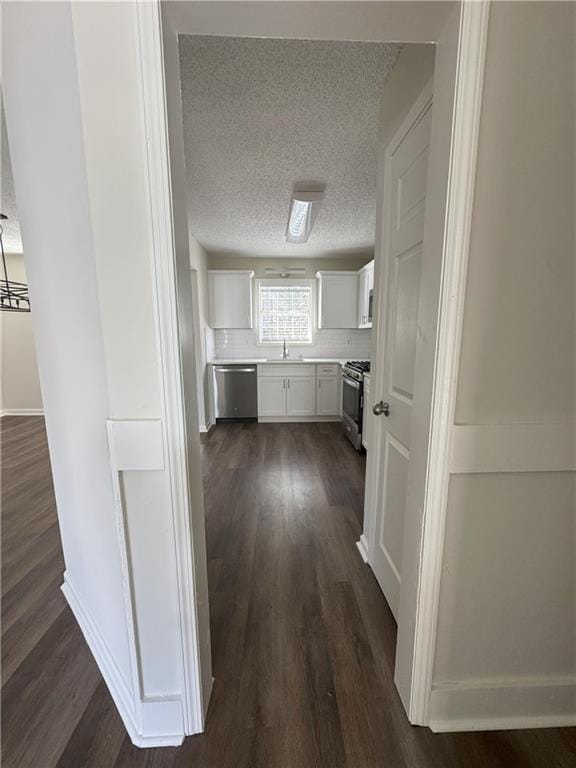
(288,380)
(283,383)
(319,383)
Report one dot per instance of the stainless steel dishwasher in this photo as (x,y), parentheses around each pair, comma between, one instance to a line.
(236,393)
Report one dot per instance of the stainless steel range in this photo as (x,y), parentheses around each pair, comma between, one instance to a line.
(353,399)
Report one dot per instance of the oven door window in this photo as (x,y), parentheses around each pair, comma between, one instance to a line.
(351,399)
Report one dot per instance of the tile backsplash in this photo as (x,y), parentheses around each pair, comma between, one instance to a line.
(353,344)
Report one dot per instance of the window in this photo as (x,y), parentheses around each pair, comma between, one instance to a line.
(284,312)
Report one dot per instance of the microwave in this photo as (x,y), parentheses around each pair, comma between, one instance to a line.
(370,304)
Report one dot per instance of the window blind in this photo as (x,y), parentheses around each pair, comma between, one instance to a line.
(285,312)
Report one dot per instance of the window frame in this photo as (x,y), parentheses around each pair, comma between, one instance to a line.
(280,282)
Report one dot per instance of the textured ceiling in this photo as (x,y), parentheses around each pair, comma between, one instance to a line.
(263,115)
(11,227)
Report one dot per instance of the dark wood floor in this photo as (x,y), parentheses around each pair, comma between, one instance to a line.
(303,642)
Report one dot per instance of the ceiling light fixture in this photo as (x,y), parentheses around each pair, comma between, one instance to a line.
(304,207)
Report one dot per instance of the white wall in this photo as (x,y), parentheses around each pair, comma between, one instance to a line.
(352,344)
(76,128)
(204,335)
(259,265)
(46,143)
(414,68)
(506,649)
(20,386)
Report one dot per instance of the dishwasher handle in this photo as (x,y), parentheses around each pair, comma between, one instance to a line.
(235,370)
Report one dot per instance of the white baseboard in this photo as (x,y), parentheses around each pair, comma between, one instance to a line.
(362,545)
(296,419)
(502,705)
(204,428)
(151,712)
(22,412)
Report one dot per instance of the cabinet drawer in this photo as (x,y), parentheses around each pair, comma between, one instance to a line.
(327,369)
(291,370)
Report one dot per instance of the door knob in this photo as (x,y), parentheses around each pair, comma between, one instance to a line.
(381,408)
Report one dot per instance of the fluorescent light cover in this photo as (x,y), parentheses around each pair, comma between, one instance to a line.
(303,211)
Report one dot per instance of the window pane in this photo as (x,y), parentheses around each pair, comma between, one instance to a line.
(285,313)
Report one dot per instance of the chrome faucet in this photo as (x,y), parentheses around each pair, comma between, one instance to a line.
(285,353)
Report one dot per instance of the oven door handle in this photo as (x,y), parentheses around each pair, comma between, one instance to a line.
(352,382)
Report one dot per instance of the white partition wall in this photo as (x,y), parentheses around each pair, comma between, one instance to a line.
(77,122)
(506,645)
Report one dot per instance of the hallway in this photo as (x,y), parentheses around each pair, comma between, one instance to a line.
(303,642)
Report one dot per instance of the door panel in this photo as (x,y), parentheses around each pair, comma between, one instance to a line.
(396,460)
(409,167)
(405,204)
(301,396)
(407,279)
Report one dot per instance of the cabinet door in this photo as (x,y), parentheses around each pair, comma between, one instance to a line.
(272,396)
(338,300)
(301,396)
(230,299)
(327,396)
(363,289)
(370,273)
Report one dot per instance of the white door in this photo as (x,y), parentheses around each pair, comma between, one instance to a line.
(301,396)
(272,396)
(406,170)
(327,396)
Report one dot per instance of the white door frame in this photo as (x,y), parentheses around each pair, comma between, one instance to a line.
(150,53)
(460,199)
(414,675)
(461,176)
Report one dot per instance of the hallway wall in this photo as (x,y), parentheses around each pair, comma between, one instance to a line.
(506,648)
(75,120)
(20,386)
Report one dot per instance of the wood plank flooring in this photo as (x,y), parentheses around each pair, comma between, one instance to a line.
(303,641)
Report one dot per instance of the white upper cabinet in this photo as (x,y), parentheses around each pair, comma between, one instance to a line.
(365,285)
(337,299)
(230,298)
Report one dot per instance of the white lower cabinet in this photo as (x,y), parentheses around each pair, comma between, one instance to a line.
(300,396)
(271,396)
(303,392)
(327,391)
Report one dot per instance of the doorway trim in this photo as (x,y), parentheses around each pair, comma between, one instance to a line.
(472,43)
(472,37)
(150,56)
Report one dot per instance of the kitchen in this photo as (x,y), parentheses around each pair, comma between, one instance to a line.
(292,348)
(283,142)
(280,141)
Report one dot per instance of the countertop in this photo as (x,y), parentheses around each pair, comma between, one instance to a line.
(267,361)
